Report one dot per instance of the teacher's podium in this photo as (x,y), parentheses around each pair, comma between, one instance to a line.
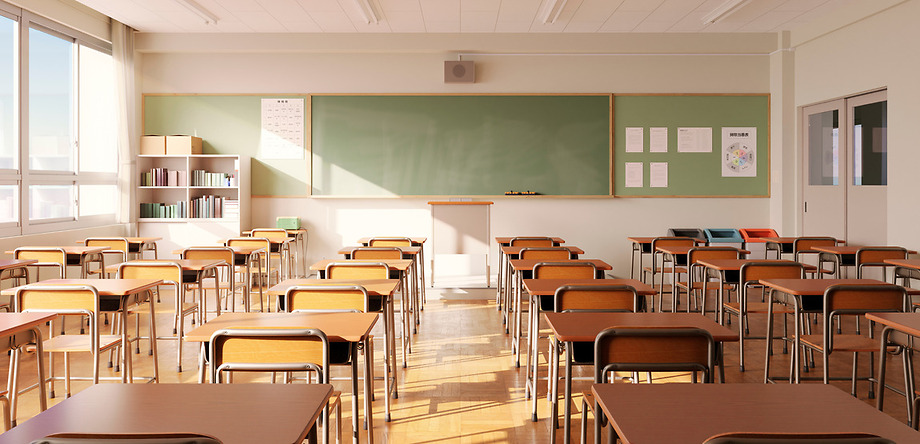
(460,234)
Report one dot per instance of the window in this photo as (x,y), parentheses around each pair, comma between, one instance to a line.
(58,127)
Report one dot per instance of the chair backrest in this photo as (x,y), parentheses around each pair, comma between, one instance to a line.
(127,438)
(861,299)
(697,254)
(326,298)
(169,272)
(653,349)
(753,234)
(796,438)
(114,243)
(546,253)
(531,241)
(61,299)
(46,256)
(357,270)
(875,257)
(269,349)
(209,253)
(258,242)
(673,241)
(564,270)
(389,242)
(269,233)
(752,272)
(376,253)
(807,244)
(615,298)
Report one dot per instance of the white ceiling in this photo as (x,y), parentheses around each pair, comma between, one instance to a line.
(461,16)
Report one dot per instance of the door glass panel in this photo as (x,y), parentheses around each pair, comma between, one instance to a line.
(823,152)
(870,144)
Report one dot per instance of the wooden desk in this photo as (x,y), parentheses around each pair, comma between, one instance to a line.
(697,411)
(908,324)
(116,295)
(194,271)
(15,269)
(571,328)
(233,413)
(519,270)
(501,294)
(382,289)
(641,245)
(727,271)
(298,236)
(679,258)
(416,241)
(506,255)
(542,293)
(139,245)
(413,253)
(806,294)
(783,244)
(78,255)
(18,330)
(350,328)
(243,257)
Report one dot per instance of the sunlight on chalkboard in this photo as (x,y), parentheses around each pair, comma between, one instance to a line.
(373,220)
(346,182)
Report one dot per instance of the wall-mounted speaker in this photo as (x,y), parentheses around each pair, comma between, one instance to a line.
(459,72)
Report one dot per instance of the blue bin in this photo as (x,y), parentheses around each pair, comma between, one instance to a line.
(723,236)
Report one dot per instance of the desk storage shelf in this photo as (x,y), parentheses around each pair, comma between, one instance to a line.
(193,199)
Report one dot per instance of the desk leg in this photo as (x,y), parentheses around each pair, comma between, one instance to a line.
(567,409)
(880,397)
(554,398)
(356,424)
(518,319)
(498,286)
(153,338)
(13,381)
(368,391)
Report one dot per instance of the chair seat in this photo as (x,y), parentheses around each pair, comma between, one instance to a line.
(78,343)
(758,307)
(706,286)
(814,269)
(187,307)
(844,343)
(665,269)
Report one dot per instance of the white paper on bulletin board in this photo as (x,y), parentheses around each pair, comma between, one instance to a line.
(282,129)
(739,152)
(634,174)
(694,140)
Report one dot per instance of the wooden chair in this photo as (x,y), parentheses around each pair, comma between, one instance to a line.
(600,297)
(171,274)
(875,257)
(47,257)
(117,247)
(389,242)
(796,438)
(697,284)
(69,300)
(531,241)
(259,265)
(751,274)
(357,270)
(658,266)
(326,298)
(276,350)
(226,278)
(804,246)
(654,349)
(854,300)
(280,251)
(377,253)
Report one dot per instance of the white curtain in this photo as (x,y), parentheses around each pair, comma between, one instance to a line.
(126,108)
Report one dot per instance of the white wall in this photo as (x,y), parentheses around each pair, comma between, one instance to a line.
(873,51)
(330,64)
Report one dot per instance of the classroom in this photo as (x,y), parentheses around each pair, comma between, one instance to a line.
(192,73)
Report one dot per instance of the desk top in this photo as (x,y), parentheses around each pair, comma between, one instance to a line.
(470,202)
(338,327)
(584,326)
(547,287)
(105,287)
(6,264)
(683,249)
(517,250)
(233,413)
(788,239)
(813,287)
(849,249)
(527,264)
(77,249)
(906,263)
(697,411)
(906,322)
(131,240)
(374,287)
(735,264)
(505,240)
(394,264)
(12,323)
(186,264)
(239,250)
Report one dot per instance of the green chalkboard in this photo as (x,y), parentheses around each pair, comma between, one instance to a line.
(474,145)
(692,174)
(229,124)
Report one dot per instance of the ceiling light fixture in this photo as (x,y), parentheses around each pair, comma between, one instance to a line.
(552,10)
(724,10)
(199,10)
(367,11)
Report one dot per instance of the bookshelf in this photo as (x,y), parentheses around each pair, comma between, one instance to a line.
(194,199)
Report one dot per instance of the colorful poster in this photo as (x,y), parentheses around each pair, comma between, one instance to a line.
(739,152)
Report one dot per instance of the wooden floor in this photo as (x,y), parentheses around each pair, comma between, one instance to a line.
(461,385)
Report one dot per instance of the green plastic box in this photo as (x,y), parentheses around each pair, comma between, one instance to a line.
(288,223)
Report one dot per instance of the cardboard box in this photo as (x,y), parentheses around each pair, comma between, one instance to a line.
(183,145)
(155,145)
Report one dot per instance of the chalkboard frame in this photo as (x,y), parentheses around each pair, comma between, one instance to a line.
(609,134)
